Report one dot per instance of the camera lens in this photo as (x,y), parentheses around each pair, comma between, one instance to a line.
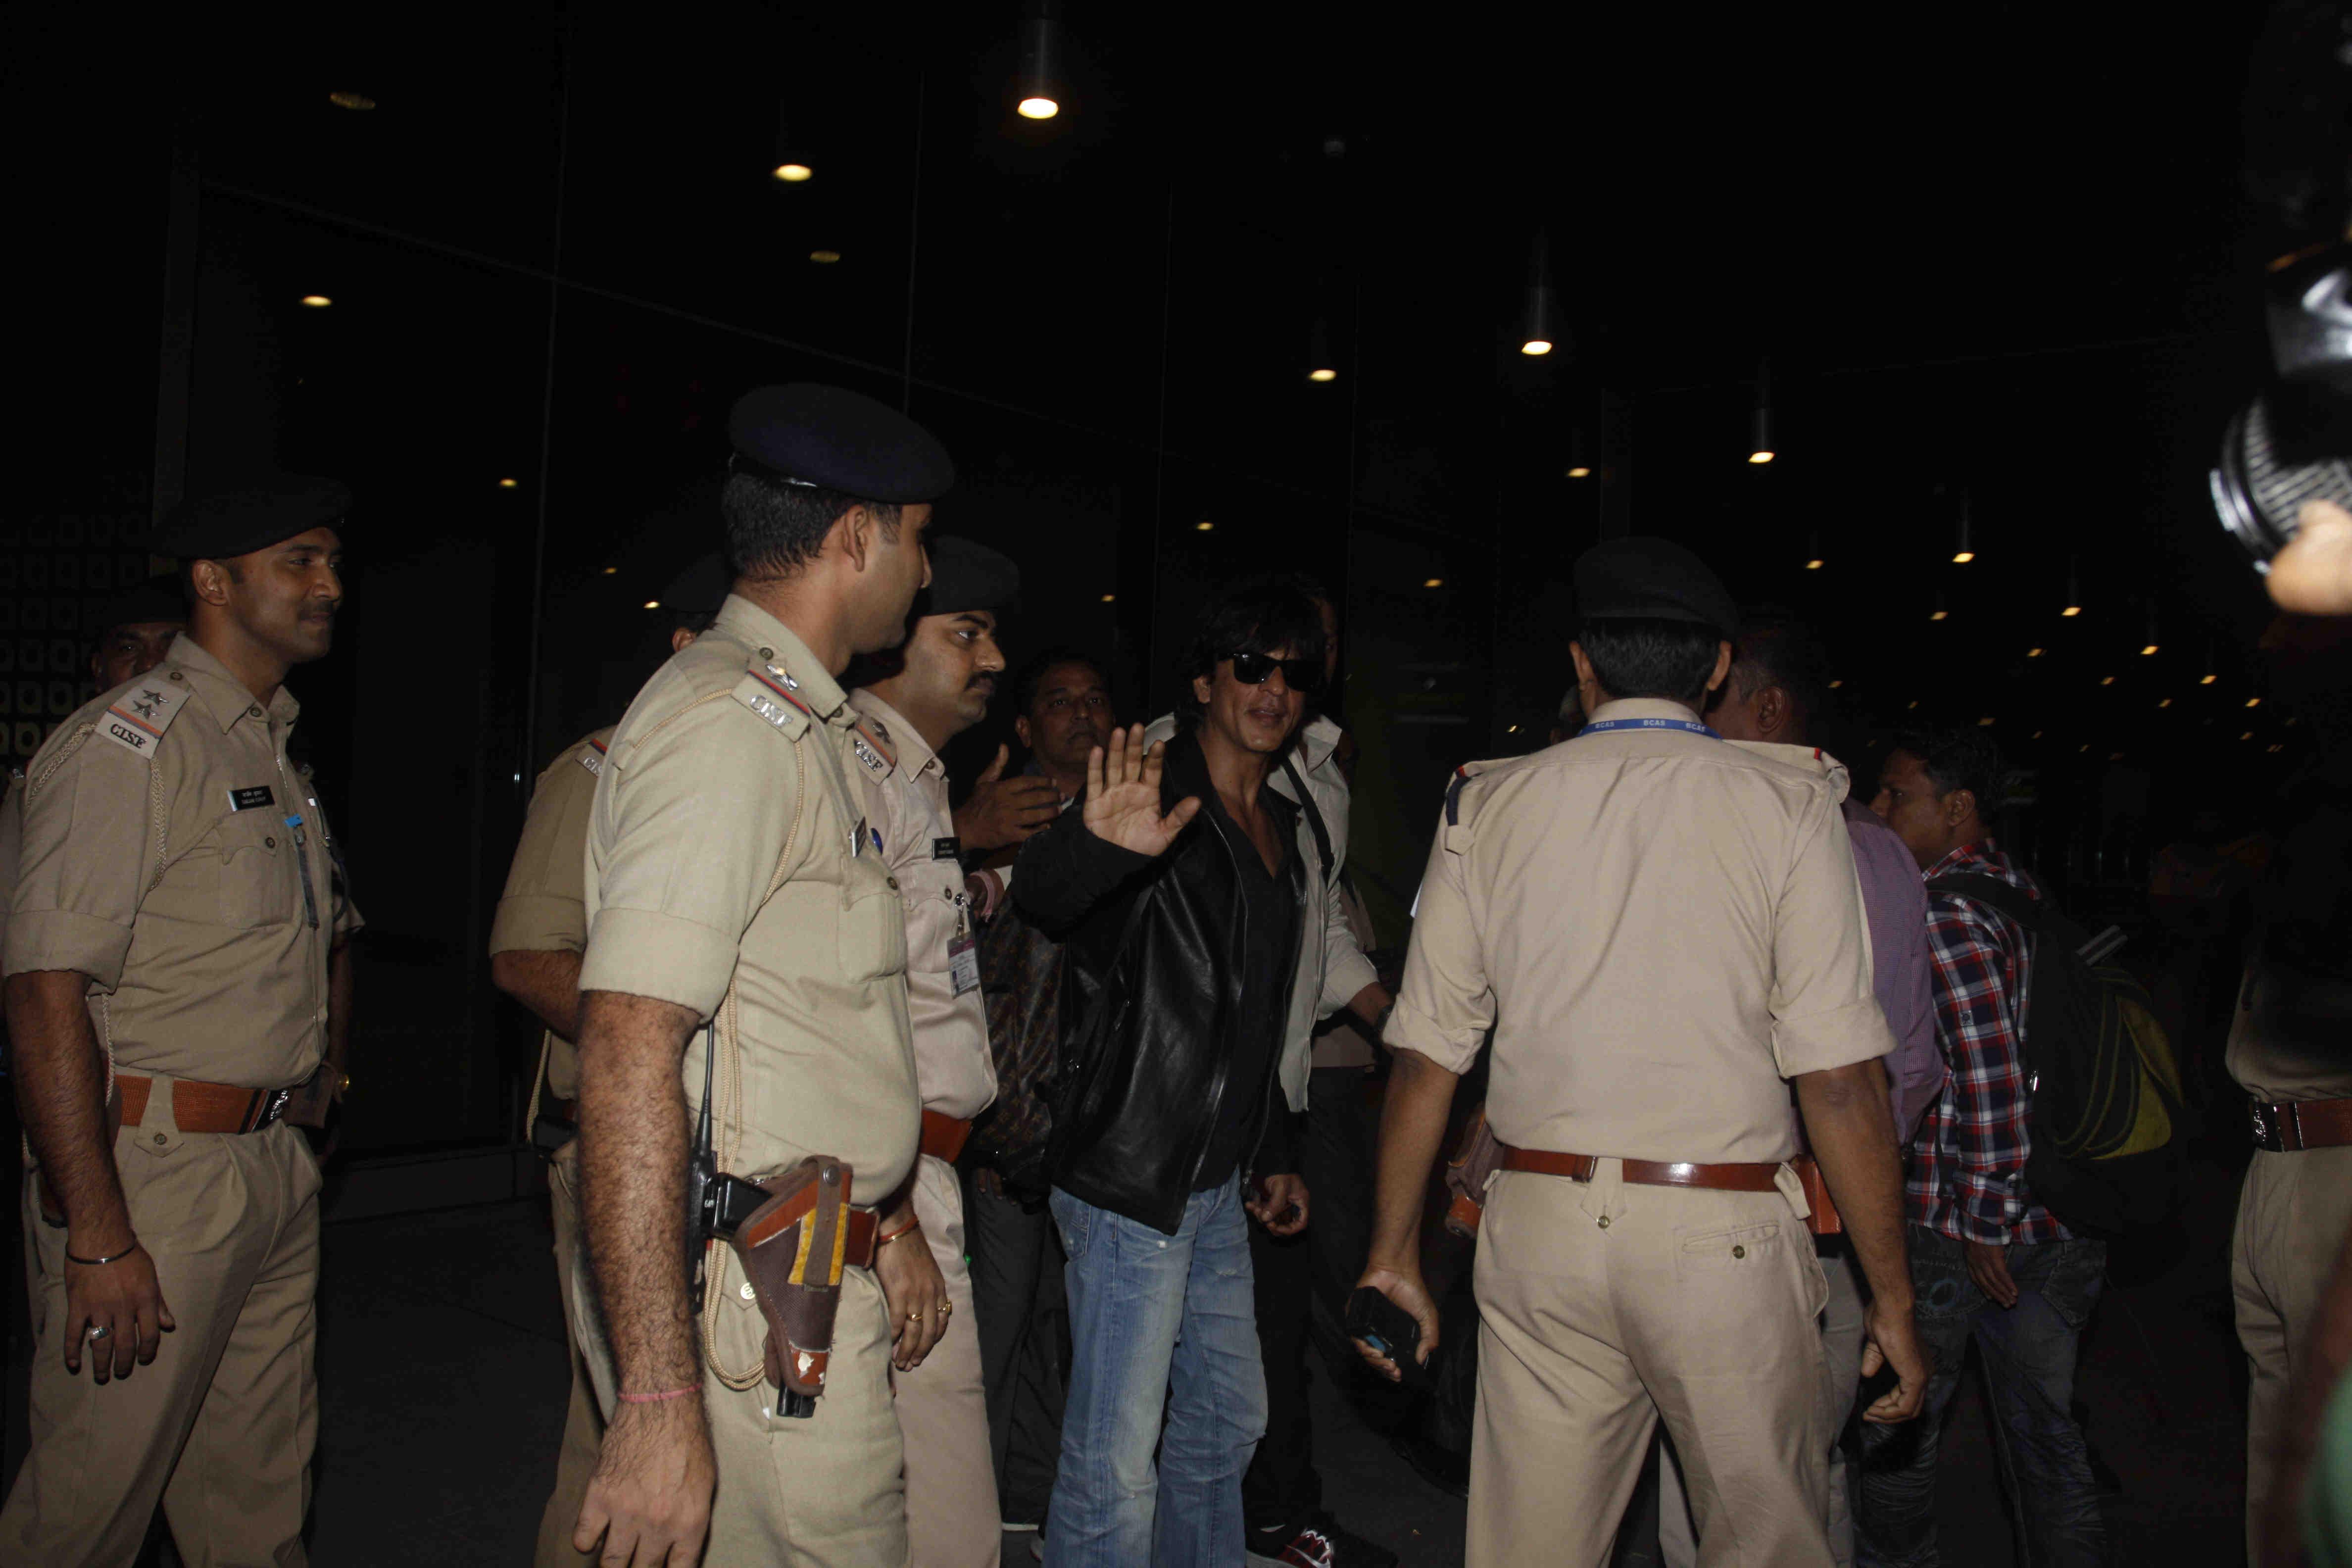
(2260,492)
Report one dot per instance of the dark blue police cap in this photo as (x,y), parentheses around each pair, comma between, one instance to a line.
(836,439)
(1652,579)
(146,603)
(966,576)
(228,523)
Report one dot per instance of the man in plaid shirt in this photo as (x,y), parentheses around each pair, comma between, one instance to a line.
(1987,1259)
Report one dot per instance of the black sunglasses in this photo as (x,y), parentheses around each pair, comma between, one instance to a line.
(1304,676)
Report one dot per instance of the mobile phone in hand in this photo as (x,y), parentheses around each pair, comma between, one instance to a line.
(1389,1329)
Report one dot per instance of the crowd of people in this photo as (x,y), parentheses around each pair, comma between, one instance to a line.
(928,1163)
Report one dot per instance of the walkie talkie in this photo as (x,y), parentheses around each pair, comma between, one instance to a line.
(701,1176)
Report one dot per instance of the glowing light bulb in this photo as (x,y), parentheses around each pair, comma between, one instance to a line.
(1322,376)
(653,604)
(1964,557)
(2147,650)
(1815,565)
(505,484)
(2209,680)
(825,258)
(2254,701)
(1204,526)
(1110,598)
(1535,348)
(2166,703)
(1580,472)
(2106,680)
(2071,610)
(1434,583)
(1759,457)
(1039,109)
(793,173)
(1939,614)
(359,100)
(316,301)
(2034,653)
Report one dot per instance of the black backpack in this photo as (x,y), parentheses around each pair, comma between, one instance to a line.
(2109,1127)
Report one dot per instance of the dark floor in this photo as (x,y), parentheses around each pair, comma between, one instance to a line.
(442,1375)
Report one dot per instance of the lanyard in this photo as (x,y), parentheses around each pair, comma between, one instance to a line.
(1605,725)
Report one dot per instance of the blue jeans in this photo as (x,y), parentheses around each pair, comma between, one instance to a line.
(1158,1324)
(2029,1368)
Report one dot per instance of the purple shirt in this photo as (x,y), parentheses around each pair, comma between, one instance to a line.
(1894,904)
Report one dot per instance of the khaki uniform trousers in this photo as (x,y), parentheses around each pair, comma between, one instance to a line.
(221,1428)
(1606,1307)
(2291,1217)
(951,1517)
(584,1426)
(825,1492)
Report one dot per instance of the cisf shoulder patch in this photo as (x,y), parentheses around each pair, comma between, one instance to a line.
(869,739)
(136,720)
(774,695)
(593,759)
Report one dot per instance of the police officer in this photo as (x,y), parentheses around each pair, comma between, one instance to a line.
(177,989)
(933,687)
(732,877)
(536,941)
(2288,1050)
(1661,928)
(133,630)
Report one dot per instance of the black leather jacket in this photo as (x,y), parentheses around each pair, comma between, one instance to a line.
(1148,1000)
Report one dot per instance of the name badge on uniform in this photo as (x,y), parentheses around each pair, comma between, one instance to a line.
(247,798)
(946,848)
(857,837)
(964,963)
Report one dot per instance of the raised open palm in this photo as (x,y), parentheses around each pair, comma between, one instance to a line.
(1123,795)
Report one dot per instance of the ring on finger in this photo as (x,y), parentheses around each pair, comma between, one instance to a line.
(100,1331)
(944,1308)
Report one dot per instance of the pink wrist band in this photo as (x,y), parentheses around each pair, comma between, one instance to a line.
(658,1398)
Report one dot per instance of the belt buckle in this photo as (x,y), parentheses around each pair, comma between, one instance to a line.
(274,1108)
(2268,1135)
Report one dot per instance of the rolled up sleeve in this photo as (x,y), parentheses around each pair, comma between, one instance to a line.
(1446,1003)
(1825,1012)
(689,825)
(1346,970)
(86,857)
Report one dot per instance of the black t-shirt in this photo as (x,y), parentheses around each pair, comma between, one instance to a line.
(1269,960)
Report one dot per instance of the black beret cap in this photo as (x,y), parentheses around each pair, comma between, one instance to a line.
(1652,579)
(839,441)
(698,590)
(966,576)
(142,604)
(223,526)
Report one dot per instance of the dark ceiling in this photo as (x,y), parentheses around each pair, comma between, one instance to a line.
(1996,258)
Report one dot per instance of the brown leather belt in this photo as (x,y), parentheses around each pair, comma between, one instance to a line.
(2299,1124)
(202,1107)
(943,1135)
(1648,1173)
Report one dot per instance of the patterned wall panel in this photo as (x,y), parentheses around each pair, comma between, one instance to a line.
(55,572)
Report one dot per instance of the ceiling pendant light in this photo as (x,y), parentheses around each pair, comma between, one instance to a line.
(2211,674)
(2149,650)
(1320,365)
(792,162)
(1814,560)
(1964,549)
(1539,330)
(1760,449)
(1579,461)
(2073,590)
(1041,52)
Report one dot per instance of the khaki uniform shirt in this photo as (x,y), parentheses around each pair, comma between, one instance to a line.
(908,808)
(157,859)
(1660,927)
(544,908)
(733,763)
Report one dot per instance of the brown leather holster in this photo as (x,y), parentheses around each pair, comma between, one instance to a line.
(1476,1157)
(793,1248)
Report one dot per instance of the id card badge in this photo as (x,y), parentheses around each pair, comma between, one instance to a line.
(964,963)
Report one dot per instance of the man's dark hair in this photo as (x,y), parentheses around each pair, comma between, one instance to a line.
(1641,657)
(1775,650)
(773,529)
(1256,617)
(1033,674)
(1960,759)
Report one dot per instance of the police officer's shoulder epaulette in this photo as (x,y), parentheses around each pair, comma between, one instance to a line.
(1461,805)
(143,710)
(769,689)
(870,739)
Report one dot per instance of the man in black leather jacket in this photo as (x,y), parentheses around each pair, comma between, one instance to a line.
(1177,889)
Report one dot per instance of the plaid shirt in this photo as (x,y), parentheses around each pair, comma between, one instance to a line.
(1966,1176)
